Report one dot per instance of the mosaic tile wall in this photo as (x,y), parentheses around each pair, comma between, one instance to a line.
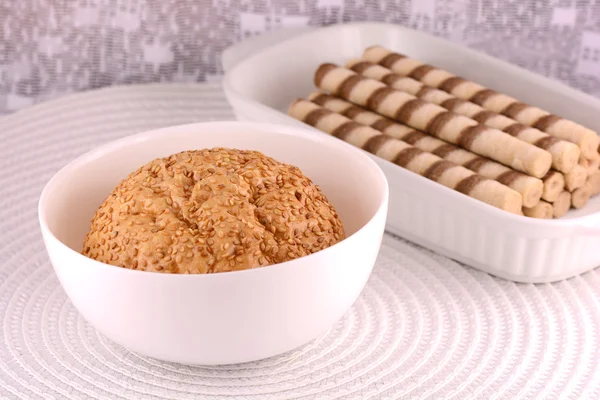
(52,47)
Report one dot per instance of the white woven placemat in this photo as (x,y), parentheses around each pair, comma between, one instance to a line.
(424,327)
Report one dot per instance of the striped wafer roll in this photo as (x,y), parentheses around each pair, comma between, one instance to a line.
(564,154)
(594,182)
(585,138)
(436,120)
(562,204)
(529,187)
(576,178)
(425,164)
(542,210)
(554,184)
(580,196)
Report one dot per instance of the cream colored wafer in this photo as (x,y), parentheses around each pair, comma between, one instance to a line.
(564,154)
(594,182)
(425,164)
(529,187)
(591,164)
(554,184)
(541,210)
(576,178)
(584,162)
(562,204)
(585,138)
(580,196)
(439,122)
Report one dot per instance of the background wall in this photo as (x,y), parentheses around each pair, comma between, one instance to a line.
(52,47)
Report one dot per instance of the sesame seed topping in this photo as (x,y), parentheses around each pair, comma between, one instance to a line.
(163,216)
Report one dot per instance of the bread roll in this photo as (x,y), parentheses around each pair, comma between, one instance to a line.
(212,210)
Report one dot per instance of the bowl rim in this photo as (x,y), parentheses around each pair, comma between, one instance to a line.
(50,238)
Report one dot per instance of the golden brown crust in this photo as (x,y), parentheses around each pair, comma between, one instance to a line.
(212,210)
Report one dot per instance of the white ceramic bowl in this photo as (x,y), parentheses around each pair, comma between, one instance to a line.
(229,317)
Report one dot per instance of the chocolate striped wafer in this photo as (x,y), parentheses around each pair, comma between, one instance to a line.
(585,138)
(554,184)
(564,154)
(436,120)
(576,178)
(529,187)
(420,162)
(542,210)
(562,204)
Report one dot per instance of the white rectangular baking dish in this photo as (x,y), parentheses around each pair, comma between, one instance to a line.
(264,75)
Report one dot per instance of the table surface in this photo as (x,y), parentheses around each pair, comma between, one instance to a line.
(424,326)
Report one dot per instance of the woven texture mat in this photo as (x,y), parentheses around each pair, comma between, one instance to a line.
(425,327)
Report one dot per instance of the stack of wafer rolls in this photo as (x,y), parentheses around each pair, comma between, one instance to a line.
(585,138)
(565,155)
(435,120)
(530,188)
(412,158)
(439,126)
